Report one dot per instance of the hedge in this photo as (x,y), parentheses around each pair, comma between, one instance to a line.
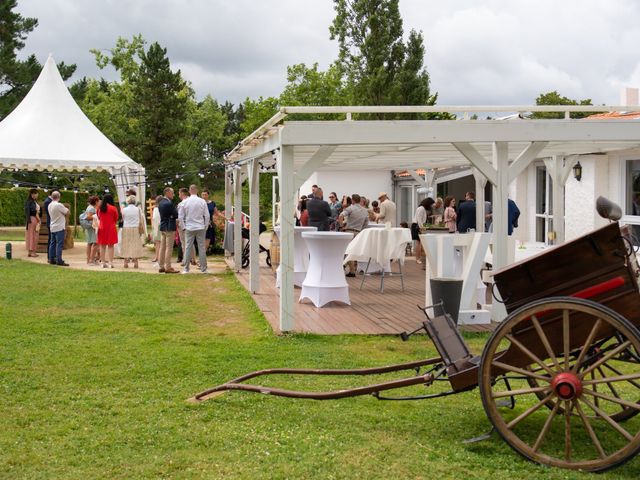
(12,202)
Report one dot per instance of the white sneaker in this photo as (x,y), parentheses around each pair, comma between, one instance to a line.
(184,272)
(207,272)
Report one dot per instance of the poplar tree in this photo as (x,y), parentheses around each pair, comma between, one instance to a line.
(378,66)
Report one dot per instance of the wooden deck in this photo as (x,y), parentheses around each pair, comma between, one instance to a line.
(370,312)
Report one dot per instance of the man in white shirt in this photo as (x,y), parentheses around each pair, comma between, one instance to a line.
(387,210)
(57,224)
(183,193)
(195,218)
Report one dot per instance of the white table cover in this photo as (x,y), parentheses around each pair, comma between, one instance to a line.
(379,245)
(325,281)
(300,255)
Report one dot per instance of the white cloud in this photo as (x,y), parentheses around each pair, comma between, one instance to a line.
(494,51)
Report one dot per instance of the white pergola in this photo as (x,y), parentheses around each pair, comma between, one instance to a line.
(497,150)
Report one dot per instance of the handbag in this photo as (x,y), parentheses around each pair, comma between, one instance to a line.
(95,222)
(140,224)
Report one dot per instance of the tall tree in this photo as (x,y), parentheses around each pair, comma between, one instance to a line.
(17,76)
(379,68)
(160,102)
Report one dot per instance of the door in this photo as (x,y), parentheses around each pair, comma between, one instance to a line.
(544,205)
(407,204)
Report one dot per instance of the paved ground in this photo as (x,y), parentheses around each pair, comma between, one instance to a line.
(77,259)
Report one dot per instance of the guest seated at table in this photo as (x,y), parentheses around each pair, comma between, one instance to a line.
(355,219)
(319,211)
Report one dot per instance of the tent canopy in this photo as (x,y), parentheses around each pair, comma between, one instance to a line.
(48,131)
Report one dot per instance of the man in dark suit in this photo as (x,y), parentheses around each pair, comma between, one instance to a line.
(319,211)
(45,207)
(467,213)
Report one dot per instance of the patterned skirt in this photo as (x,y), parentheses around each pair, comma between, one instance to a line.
(131,243)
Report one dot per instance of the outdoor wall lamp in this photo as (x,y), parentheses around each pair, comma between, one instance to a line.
(577,171)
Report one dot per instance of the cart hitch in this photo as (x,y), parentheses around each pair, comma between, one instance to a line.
(405,336)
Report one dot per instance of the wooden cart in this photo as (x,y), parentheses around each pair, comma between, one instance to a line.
(559,378)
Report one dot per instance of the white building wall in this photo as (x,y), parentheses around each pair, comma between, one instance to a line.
(363,182)
(580,196)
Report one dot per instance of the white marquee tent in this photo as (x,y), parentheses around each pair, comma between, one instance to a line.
(48,131)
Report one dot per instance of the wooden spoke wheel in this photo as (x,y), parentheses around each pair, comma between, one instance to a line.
(577,358)
(602,373)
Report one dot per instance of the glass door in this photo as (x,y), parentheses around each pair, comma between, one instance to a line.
(544,205)
(407,204)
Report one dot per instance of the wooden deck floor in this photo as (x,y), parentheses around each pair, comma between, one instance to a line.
(370,312)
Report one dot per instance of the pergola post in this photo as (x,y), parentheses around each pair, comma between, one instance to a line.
(237,227)
(287,207)
(228,191)
(481,182)
(559,170)
(254,229)
(500,199)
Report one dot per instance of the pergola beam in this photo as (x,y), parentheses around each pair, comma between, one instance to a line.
(313,164)
(477,160)
(523,160)
(254,227)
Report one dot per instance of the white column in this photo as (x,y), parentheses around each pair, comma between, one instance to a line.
(287,207)
(500,198)
(481,182)
(228,190)
(254,230)
(237,231)
(559,172)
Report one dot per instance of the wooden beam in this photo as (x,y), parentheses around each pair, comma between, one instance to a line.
(477,160)
(254,228)
(525,158)
(313,164)
(287,208)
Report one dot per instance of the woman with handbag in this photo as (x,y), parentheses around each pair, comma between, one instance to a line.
(90,232)
(32,217)
(132,228)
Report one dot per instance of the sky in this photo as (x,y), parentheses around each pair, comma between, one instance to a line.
(482,52)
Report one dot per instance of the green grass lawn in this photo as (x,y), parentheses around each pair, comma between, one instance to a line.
(95,368)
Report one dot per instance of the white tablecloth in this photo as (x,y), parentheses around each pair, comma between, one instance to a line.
(379,245)
(300,255)
(325,281)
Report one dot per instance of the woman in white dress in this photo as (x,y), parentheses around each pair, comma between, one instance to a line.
(132,221)
(155,228)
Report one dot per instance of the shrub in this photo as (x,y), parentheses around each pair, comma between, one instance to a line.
(12,202)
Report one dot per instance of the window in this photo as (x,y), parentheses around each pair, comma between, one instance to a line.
(632,198)
(632,180)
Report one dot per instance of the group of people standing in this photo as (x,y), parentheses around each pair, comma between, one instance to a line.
(190,223)
(56,215)
(314,211)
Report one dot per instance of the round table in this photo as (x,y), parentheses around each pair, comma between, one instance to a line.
(325,281)
(300,255)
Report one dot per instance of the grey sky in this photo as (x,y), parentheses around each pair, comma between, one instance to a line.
(478,52)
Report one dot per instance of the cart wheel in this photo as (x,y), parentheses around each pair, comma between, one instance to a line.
(610,368)
(582,356)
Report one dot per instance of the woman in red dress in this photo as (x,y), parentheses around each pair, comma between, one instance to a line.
(107,233)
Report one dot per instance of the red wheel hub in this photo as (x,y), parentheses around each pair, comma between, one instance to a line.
(567,385)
